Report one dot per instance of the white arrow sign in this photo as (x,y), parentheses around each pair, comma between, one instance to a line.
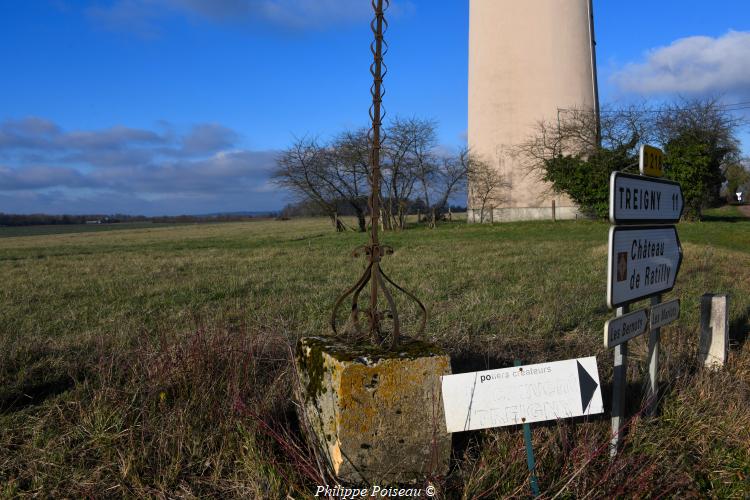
(634,199)
(665,313)
(522,394)
(643,261)
(625,327)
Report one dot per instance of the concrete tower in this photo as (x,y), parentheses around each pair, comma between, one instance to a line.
(527,59)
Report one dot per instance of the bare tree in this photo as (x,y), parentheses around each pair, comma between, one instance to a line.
(447,176)
(426,164)
(349,167)
(576,153)
(334,176)
(329,176)
(486,184)
(698,137)
(407,155)
(302,169)
(575,131)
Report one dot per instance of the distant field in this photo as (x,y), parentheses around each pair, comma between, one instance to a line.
(7,231)
(128,357)
(727,213)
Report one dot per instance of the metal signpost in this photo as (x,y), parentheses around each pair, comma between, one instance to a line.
(664,313)
(634,199)
(623,328)
(643,262)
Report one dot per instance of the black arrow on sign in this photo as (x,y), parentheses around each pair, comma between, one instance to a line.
(588,386)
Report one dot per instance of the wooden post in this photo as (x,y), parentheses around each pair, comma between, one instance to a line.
(652,388)
(450,214)
(554,217)
(337,223)
(619,383)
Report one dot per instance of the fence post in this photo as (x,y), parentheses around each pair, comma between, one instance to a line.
(554,217)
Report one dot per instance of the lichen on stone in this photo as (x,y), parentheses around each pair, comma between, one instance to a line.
(312,364)
(369,354)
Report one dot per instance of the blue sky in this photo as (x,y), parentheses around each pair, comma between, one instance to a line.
(178,106)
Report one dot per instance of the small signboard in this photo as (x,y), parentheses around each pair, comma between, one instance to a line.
(651,161)
(625,327)
(522,394)
(664,313)
(634,199)
(643,261)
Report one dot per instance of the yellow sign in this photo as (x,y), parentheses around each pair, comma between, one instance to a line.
(652,161)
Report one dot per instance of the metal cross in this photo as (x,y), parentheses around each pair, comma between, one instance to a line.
(374,250)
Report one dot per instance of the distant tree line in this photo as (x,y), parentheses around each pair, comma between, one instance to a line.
(307,208)
(331,178)
(577,153)
(47,219)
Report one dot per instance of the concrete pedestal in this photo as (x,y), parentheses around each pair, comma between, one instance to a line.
(377,415)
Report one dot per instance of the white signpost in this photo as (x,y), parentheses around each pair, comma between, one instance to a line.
(623,328)
(522,394)
(643,261)
(634,199)
(664,314)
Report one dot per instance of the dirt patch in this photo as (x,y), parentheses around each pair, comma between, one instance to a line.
(744,210)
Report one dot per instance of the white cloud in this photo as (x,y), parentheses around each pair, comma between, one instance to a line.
(130,170)
(696,65)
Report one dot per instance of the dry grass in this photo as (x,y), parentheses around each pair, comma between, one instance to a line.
(155,362)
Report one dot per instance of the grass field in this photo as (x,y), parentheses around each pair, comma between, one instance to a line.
(129,358)
(7,232)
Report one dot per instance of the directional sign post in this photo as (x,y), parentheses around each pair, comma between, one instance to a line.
(643,261)
(619,382)
(661,315)
(664,313)
(634,199)
(625,327)
(524,394)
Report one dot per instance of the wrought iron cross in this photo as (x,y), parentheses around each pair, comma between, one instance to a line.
(374,251)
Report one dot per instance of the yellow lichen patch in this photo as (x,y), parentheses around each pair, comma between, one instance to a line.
(370,408)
